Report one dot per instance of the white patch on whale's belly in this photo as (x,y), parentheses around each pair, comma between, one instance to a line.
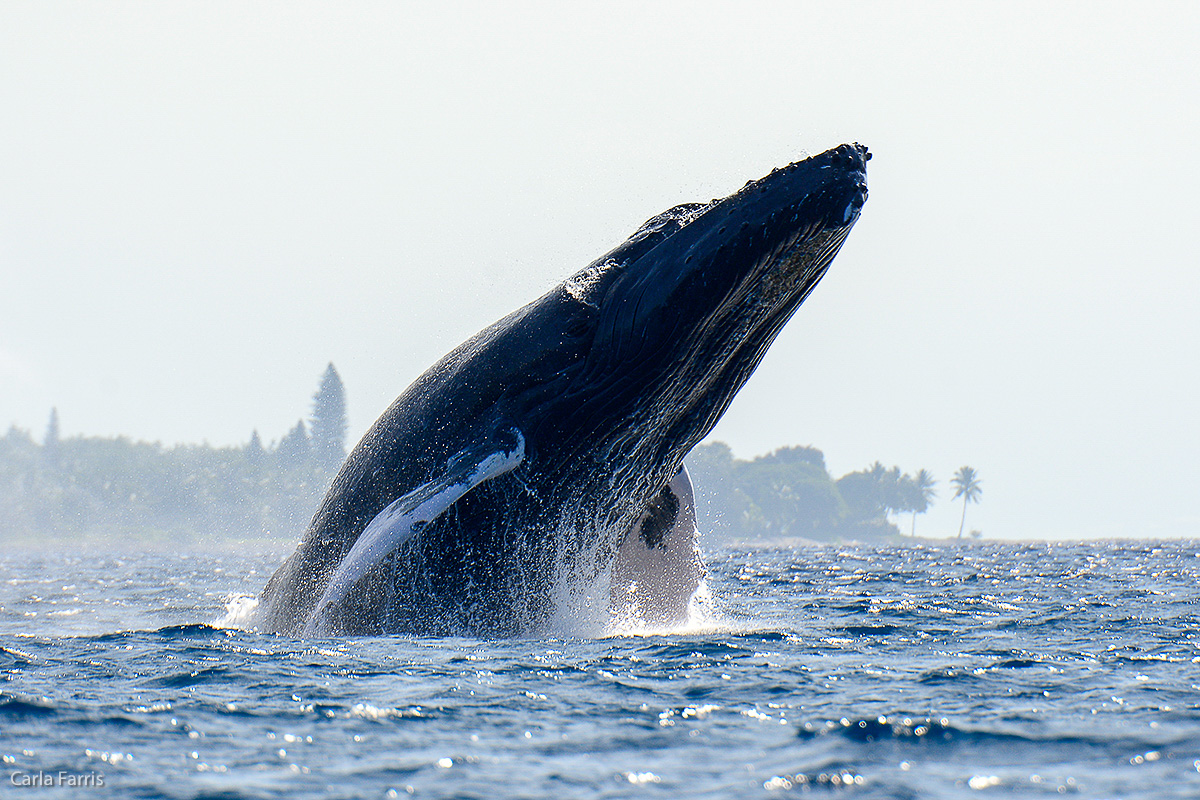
(654,585)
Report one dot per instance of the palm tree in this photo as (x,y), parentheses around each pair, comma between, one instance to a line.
(923,484)
(966,486)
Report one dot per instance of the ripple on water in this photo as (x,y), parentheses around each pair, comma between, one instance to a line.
(870,672)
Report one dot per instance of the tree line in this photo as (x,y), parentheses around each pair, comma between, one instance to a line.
(789,494)
(113,488)
(100,488)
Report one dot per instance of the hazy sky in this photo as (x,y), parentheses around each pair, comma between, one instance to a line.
(201,204)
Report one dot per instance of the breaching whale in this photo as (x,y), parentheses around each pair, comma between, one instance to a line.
(520,463)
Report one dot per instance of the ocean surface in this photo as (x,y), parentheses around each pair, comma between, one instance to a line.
(921,671)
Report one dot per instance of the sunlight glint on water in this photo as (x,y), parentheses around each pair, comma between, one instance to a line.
(1028,670)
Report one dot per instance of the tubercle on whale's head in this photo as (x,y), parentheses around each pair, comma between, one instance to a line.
(822,182)
(780,220)
(729,264)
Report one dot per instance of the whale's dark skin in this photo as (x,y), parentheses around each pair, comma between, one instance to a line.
(595,391)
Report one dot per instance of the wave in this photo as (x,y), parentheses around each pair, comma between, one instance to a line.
(940,731)
(16,707)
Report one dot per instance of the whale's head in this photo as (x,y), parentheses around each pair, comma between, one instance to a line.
(685,309)
(721,267)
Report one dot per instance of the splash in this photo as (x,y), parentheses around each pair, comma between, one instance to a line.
(239,612)
(582,613)
(585,612)
(583,609)
(704,616)
(580,605)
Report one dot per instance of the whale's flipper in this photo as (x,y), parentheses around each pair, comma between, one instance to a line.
(406,516)
(658,567)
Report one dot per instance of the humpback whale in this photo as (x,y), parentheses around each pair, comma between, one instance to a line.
(519,465)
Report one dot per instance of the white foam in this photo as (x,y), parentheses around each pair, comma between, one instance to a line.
(580,608)
(239,612)
(704,616)
(586,613)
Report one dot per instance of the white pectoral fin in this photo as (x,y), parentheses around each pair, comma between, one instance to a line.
(406,516)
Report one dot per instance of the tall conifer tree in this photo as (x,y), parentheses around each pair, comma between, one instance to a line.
(254,450)
(50,440)
(295,449)
(328,423)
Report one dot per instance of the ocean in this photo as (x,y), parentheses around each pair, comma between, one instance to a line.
(905,671)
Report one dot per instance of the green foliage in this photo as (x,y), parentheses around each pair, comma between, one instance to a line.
(789,494)
(878,491)
(329,421)
(966,485)
(118,489)
(93,487)
(784,494)
(256,456)
(295,450)
(50,440)
(921,489)
(115,488)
